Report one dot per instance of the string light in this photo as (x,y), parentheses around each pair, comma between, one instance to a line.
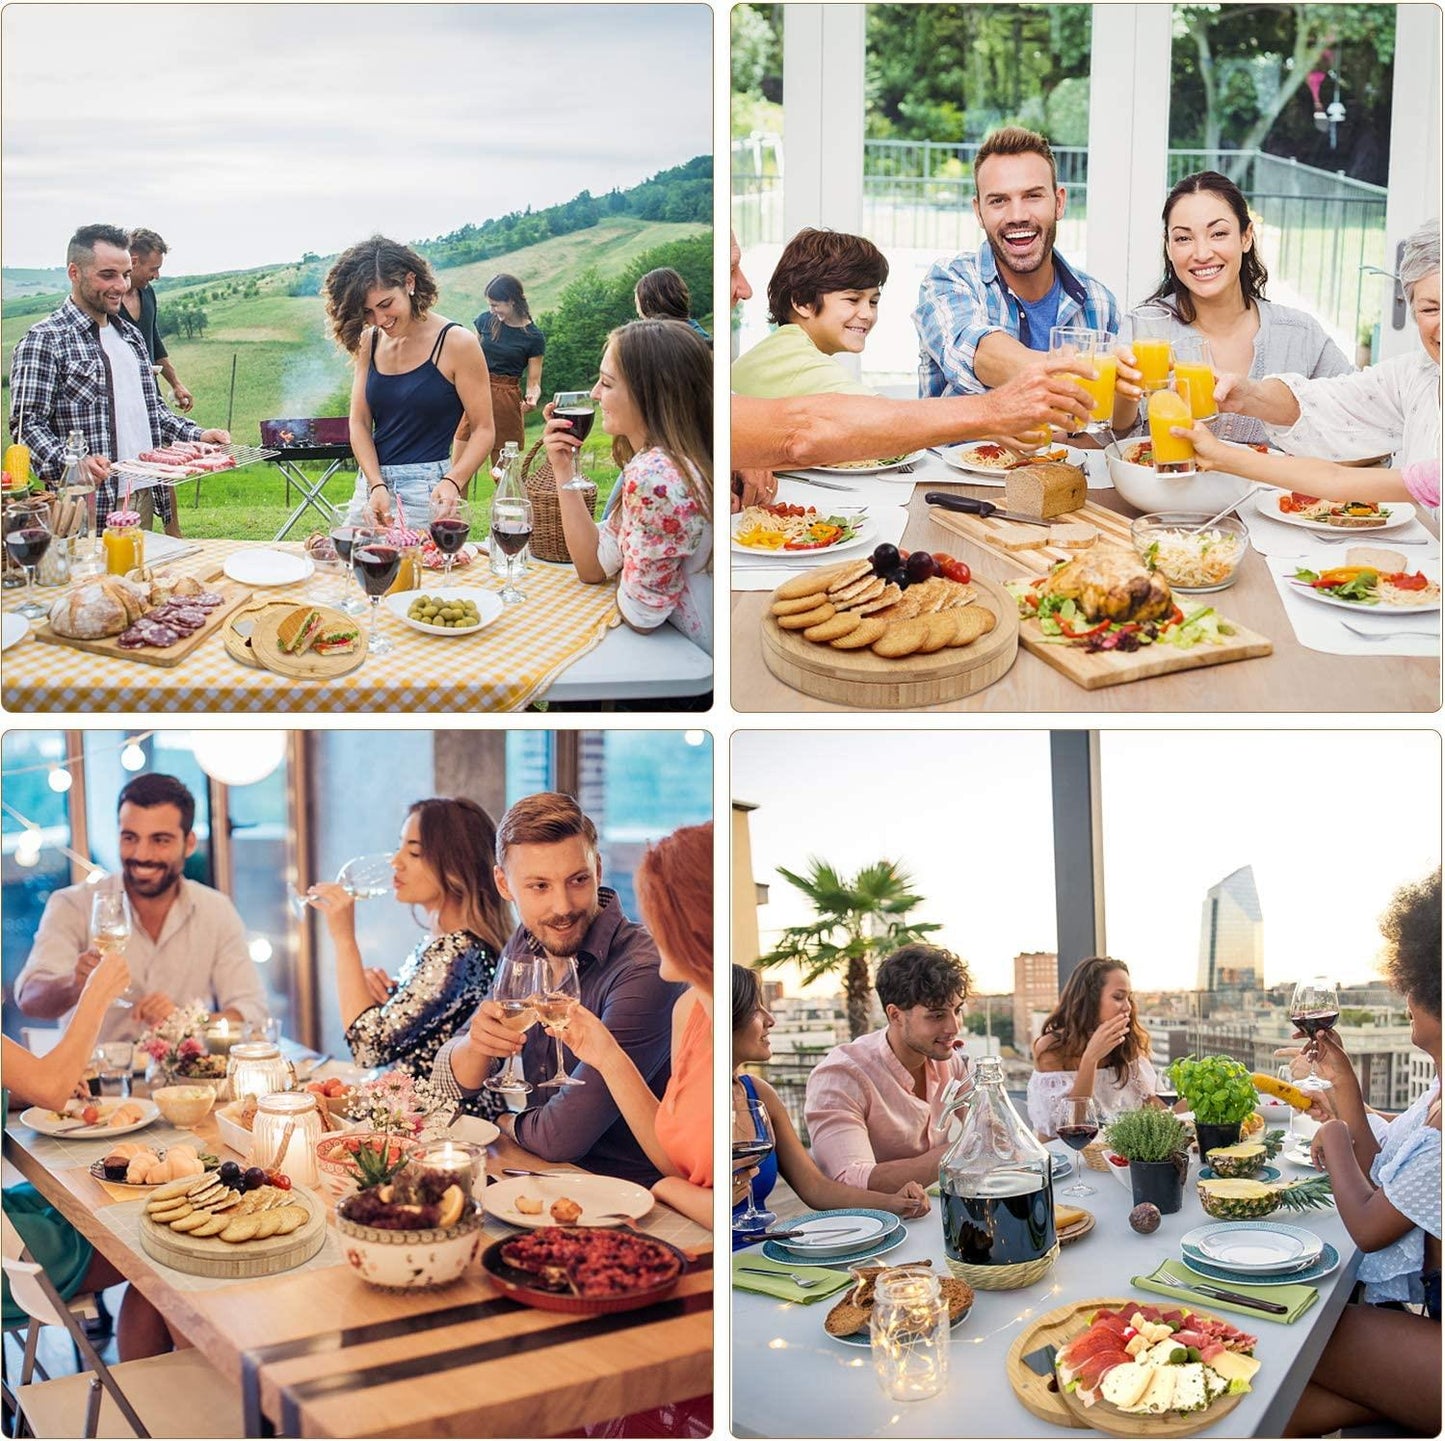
(60,780)
(132,757)
(260,949)
(71,761)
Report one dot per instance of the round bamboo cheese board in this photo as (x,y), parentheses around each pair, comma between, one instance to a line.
(871,682)
(243,1260)
(236,633)
(308,665)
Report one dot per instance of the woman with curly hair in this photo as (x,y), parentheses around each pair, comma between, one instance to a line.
(417,375)
(1386,1180)
(1092,1045)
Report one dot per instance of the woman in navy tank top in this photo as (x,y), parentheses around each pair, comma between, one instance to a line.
(417,376)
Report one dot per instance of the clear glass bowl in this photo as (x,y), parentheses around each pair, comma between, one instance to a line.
(1205,561)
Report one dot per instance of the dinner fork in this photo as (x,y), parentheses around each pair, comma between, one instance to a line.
(1388,634)
(803,1283)
(1357,536)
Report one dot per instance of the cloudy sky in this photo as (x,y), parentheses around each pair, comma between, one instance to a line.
(248,134)
(1332,823)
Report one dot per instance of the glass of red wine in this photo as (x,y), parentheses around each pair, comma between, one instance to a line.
(1077,1120)
(352,602)
(579,410)
(753,1143)
(27,538)
(512,531)
(375,561)
(1314,1007)
(451,524)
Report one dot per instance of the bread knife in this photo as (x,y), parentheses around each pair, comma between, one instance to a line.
(985,509)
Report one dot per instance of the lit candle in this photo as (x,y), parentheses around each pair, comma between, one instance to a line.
(457,1160)
(256,1068)
(219,1037)
(290,1117)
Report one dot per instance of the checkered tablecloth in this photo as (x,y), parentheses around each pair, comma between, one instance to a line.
(501,668)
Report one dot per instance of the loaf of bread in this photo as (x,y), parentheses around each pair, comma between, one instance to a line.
(98,609)
(1052,488)
(1388,562)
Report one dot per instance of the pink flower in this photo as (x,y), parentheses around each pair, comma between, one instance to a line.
(156,1048)
(191,1046)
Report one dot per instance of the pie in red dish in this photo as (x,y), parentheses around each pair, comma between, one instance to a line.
(583,1269)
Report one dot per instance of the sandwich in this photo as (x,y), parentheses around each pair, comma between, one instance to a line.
(296,633)
(338,637)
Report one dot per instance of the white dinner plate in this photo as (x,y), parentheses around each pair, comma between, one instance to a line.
(1266,502)
(13,629)
(268,567)
(488,603)
(960,457)
(874,469)
(597,1195)
(836,1235)
(1431,569)
(41,1119)
(474,1130)
(862,536)
(1246,1246)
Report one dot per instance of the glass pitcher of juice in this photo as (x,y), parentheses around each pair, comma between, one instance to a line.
(124,542)
(1194,371)
(1166,408)
(409,576)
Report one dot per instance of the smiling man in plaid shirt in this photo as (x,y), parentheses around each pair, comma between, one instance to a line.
(86,368)
(981,317)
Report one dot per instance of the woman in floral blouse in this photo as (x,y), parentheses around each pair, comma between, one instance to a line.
(654,397)
(445,865)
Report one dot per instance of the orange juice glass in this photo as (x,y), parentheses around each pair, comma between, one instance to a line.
(1153,356)
(1194,373)
(1166,408)
(1101,387)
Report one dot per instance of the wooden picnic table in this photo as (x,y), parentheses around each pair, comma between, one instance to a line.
(318,1352)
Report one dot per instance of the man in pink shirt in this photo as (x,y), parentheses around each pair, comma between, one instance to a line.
(874,1106)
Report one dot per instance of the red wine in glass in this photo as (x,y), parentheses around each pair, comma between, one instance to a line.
(27,546)
(450,535)
(341,539)
(1077,1137)
(579,418)
(376,566)
(1315,1022)
(512,536)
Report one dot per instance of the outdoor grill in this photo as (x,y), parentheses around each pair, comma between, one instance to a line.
(290,442)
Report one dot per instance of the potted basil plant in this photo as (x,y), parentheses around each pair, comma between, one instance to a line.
(1220,1093)
(1155,1143)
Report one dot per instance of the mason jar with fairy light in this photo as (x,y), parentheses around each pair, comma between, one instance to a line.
(285,1133)
(257,1068)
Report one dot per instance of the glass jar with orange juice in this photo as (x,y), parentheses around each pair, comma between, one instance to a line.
(409,576)
(1168,408)
(1194,373)
(124,542)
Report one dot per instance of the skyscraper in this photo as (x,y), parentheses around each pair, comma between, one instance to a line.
(1231,935)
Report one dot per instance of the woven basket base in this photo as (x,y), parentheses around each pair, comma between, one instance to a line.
(1004,1278)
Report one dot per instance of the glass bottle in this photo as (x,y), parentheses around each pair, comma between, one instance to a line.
(509,486)
(997,1192)
(76,485)
(124,542)
(409,573)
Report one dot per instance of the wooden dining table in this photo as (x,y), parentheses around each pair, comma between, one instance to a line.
(315,1351)
(1294,678)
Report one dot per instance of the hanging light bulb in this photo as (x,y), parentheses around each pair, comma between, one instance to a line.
(260,949)
(132,757)
(27,848)
(694,738)
(95,876)
(238,758)
(60,780)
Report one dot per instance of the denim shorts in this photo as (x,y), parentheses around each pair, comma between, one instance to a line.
(410,484)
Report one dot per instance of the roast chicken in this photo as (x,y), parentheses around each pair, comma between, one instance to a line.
(1108,583)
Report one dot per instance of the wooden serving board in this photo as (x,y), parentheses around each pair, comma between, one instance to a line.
(1096,669)
(266,649)
(870,682)
(1013,541)
(1041,1396)
(244,1260)
(233,592)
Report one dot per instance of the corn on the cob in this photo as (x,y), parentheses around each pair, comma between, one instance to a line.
(1282,1090)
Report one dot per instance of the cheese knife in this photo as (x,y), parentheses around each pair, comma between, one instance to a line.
(984,509)
(1255,1303)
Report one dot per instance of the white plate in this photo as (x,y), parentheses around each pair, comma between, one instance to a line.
(597,1195)
(1299,1156)
(837,1235)
(865,533)
(473,1130)
(41,1119)
(1266,502)
(268,567)
(488,602)
(1255,1245)
(912,459)
(1430,569)
(13,629)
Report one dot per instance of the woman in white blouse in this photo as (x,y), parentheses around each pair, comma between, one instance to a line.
(1092,1045)
(1389,409)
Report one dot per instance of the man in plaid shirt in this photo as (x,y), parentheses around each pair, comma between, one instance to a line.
(86,368)
(981,318)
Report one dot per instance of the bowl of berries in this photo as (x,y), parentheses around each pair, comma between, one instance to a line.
(420,1230)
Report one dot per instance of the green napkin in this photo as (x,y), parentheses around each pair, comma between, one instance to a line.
(1298,1298)
(746,1278)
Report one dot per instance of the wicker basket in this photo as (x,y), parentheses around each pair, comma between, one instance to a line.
(1005,1278)
(548,541)
(1093,1155)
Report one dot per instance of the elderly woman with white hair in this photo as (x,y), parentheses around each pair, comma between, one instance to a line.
(1389,409)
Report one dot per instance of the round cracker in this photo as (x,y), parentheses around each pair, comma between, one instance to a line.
(293,1217)
(189,1223)
(811,601)
(807,583)
(902,638)
(971,623)
(808,617)
(243,1228)
(868,629)
(213,1226)
(839,625)
(938,632)
(270,1224)
(171,1190)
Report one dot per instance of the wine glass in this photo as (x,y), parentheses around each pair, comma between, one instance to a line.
(110,932)
(562,991)
(451,524)
(515,988)
(27,538)
(512,531)
(1314,1007)
(363,878)
(753,1143)
(375,560)
(352,601)
(1077,1120)
(579,409)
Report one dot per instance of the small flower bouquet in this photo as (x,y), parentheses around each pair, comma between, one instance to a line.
(395,1103)
(177,1047)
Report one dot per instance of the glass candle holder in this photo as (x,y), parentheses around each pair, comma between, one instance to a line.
(290,1117)
(257,1068)
(221,1035)
(460,1161)
(908,1334)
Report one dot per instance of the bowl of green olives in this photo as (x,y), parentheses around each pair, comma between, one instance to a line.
(445,611)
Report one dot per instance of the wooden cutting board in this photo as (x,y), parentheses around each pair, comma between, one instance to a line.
(207,1256)
(266,649)
(233,593)
(870,682)
(1040,1394)
(1013,541)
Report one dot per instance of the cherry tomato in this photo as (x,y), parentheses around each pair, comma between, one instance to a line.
(90,1115)
(281,1180)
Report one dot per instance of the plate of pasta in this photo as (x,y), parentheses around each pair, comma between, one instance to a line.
(796,530)
(870,467)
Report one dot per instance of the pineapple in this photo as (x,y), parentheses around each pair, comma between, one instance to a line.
(1244,1200)
(1233,1162)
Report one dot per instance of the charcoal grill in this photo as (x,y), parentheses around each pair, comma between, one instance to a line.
(314,438)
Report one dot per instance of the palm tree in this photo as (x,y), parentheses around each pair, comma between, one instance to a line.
(857,921)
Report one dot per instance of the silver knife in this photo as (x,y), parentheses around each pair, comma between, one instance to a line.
(984,509)
(821,484)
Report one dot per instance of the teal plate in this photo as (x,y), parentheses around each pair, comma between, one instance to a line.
(1265,1173)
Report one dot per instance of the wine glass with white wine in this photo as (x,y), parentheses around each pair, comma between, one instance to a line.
(363,878)
(515,989)
(110,932)
(555,1003)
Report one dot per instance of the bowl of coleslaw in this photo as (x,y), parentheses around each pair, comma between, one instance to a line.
(1190,559)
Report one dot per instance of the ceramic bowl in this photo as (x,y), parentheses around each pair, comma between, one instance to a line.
(411,1260)
(335,1160)
(1146,490)
(184,1105)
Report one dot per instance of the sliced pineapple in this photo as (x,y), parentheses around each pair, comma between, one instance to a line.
(1245,1200)
(1245,1159)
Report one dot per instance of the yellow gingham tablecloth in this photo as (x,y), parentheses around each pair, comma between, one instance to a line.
(503,667)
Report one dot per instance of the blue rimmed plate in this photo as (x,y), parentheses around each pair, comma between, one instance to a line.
(873,1228)
(1253,1247)
(1265,1173)
(774,1251)
(1327,1261)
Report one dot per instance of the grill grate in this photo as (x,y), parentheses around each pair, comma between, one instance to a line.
(138,475)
